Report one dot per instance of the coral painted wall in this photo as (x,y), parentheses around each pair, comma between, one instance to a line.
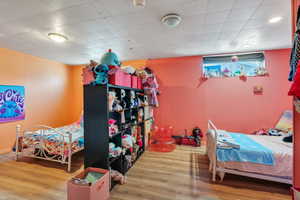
(49,92)
(185,101)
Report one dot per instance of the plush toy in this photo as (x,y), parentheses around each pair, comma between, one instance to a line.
(88,73)
(114,151)
(118,177)
(110,59)
(150,86)
(127,141)
(261,71)
(101,74)
(112,127)
(128,69)
(111,98)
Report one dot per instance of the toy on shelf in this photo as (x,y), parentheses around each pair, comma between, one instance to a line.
(114,151)
(128,69)
(118,177)
(110,59)
(112,127)
(88,73)
(101,72)
(127,142)
(140,115)
(111,98)
(133,100)
(150,86)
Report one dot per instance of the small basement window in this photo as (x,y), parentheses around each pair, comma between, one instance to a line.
(252,64)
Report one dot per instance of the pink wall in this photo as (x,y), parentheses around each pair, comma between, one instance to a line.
(186,102)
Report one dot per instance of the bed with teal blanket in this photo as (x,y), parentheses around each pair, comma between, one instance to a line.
(244,149)
(257,156)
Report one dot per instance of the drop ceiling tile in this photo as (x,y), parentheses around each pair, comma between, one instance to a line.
(247,4)
(241,14)
(53,5)
(233,25)
(216,17)
(217,5)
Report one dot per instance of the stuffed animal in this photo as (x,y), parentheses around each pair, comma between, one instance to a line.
(118,177)
(111,98)
(88,73)
(114,151)
(110,59)
(101,74)
(128,69)
(112,127)
(261,71)
(127,141)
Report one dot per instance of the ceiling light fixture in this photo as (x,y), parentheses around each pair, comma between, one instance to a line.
(139,3)
(275,20)
(56,37)
(171,20)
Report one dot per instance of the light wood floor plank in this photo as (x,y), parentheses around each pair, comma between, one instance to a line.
(179,175)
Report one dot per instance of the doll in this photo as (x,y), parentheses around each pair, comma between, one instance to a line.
(150,86)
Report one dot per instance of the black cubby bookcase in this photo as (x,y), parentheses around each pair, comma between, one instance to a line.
(96,134)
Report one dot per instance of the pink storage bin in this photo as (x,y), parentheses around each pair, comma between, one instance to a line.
(139,83)
(120,78)
(296,194)
(96,191)
(134,81)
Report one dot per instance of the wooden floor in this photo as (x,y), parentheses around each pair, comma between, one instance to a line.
(179,175)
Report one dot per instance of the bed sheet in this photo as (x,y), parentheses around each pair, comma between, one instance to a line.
(282,153)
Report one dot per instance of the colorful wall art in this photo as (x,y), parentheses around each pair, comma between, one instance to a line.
(12,103)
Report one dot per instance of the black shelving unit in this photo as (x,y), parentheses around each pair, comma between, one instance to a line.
(96,134)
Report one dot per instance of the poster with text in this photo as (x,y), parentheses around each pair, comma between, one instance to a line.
(12,100)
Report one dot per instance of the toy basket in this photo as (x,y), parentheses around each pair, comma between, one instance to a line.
(98,190)
(296,194)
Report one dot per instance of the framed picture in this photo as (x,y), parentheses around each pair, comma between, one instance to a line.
(12,99)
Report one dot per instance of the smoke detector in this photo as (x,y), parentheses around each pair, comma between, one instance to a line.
(139,3)
(171,20)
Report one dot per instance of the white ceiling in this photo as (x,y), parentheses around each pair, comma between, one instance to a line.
(93,26)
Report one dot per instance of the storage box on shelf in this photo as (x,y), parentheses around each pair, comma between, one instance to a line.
(120,78)
(96,128)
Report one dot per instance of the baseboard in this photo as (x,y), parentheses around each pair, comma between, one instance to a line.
(4,151)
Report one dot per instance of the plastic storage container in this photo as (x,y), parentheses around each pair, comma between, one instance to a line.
(296,194)
(139,83)
(134,81)
(120,78)
(96,191)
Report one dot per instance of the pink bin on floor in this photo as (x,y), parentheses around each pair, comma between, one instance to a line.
(96,191)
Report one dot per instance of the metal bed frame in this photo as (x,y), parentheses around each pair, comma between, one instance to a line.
(39,150)
(211,150)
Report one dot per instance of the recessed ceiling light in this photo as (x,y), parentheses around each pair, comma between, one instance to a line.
(275,20)
(56,37)
(171,20)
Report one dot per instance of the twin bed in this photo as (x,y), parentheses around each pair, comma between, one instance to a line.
(47,143)
(263,157)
